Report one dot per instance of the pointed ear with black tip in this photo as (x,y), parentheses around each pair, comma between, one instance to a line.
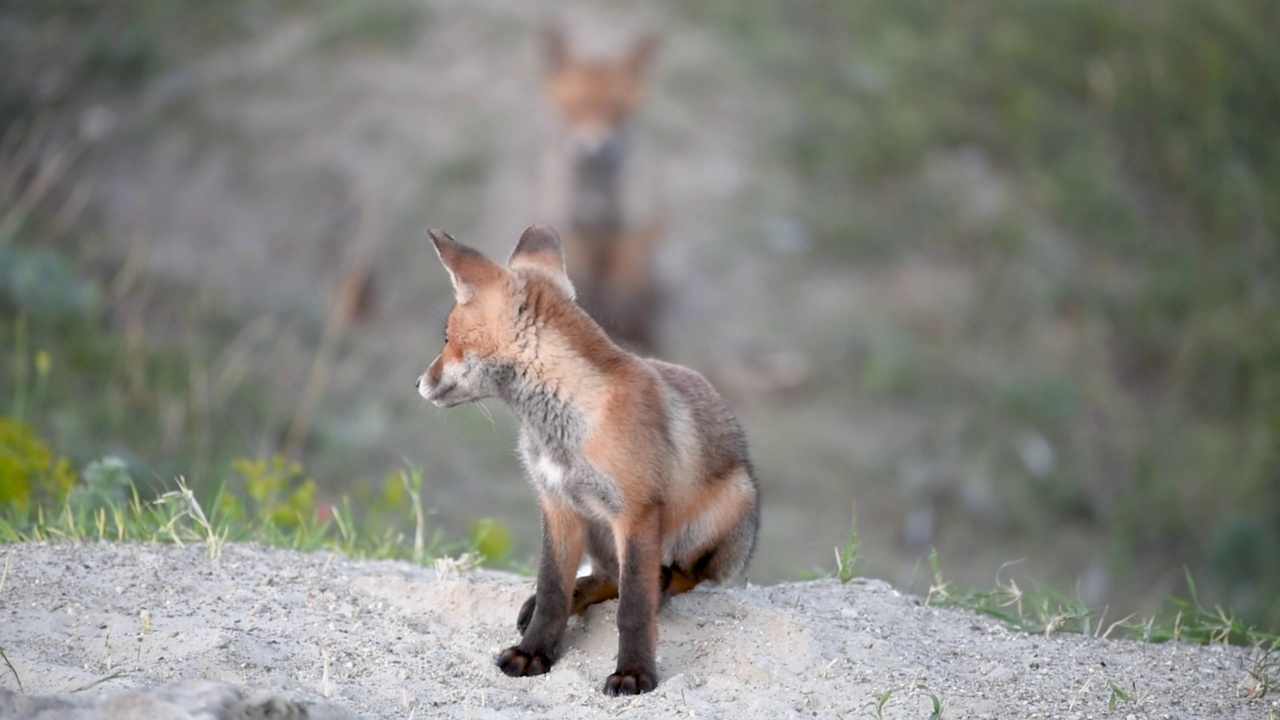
(469,270)
(539,249)
(555,50)
(640,58)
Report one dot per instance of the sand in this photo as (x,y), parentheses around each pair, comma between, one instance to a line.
(165,631)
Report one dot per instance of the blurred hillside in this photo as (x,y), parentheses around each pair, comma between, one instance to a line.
(1005,277)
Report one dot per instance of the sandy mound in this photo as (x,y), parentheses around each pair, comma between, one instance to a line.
(315,634)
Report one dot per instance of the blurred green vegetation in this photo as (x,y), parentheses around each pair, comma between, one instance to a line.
(139,382)
(29,472)
(139,414)
(125,42)
(1045,610)
(387,25)
(1136,145)
(95,46)
(271,501)
(75,361)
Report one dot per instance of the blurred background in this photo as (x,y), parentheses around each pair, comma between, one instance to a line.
(1001,278)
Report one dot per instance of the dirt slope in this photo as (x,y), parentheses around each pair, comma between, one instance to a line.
(390,639)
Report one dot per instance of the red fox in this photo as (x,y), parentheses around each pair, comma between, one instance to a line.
(589,187)
(637,462)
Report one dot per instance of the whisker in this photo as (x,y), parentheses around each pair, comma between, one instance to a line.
(492,424)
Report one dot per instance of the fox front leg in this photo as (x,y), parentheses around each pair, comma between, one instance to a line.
(639,542)
(538,650)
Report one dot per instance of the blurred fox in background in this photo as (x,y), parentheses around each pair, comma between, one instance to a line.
(591,191)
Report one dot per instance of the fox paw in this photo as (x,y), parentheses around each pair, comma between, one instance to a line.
(518,663)
(526,614)
(632,682)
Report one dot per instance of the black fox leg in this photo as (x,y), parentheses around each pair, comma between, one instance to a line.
(550,605)
(640,581)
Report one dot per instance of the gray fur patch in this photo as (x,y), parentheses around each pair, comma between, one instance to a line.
(552,433)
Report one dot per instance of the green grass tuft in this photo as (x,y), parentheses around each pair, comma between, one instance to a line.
(1043,610)
(109,506)
(916,697)
(1263,671)
(847,555)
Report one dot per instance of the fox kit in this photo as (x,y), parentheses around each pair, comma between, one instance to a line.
(637,462)
(589,184)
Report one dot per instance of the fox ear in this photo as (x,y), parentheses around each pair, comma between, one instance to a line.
(468,268)
(555,49)
(539,249)
(640,58)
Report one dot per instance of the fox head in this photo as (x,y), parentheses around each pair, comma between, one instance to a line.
(484,337)
(595,98)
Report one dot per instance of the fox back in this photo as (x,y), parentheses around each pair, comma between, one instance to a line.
(637,462)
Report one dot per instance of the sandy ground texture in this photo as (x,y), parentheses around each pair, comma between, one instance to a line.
(316,635)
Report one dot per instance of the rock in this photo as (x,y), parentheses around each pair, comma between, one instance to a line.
(184,700)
